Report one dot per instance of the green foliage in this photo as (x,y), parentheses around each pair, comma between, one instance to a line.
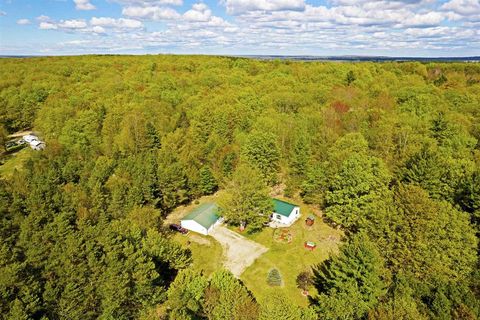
(227,298)
(261,151)
(208,184)
(440,80)
(278,306)
(346,146)
(314,186)
(274,279)
(186,295)
(3,138)
(361,182)
(424,168)
(469,196)
(145,218)
(433,240)
(389,149)
(350,77)
(246,199)
(350,284)
(304,280)
(441,130)
(300,156)
(401,305)
(193,296)
(128,260)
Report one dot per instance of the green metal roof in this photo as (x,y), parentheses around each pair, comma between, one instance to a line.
(206,215)
(282,207)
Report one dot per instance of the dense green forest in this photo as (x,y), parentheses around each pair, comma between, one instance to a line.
(389,151)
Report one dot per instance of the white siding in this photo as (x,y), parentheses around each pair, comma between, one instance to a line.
(294,215)
(192,225)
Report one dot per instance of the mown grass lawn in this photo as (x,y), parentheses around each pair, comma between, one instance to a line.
(13,161)
(206,257)
(291,258)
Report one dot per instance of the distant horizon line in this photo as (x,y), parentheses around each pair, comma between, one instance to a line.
(300,57)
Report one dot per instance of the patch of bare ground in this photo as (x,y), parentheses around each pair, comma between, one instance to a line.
(239,252)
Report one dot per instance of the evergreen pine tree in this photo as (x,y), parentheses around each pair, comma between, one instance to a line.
(351,283)
(274,279)
(208,184)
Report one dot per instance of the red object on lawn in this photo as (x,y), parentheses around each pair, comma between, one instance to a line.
(310,220)
(310,245)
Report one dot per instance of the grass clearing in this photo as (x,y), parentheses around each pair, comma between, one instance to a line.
(291,258)
(206,257)
(10,163)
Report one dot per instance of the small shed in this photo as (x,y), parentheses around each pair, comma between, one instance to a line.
(202,219)
(310,220)
(284,212)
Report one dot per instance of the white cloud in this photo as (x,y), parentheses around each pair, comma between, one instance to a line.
(199,12)
(463,7)
(152,13)
(68,25)
(43,18)
(83,5)
(241,6)
(429,19)
(2,13)
(73,24)
(149,3)
(23,22)
(96,25)
(427,32)
(265,26)
(116,23)
(98,29)
(48,26)
(383,2)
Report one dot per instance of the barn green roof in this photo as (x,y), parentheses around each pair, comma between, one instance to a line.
(206,215)
(283,207)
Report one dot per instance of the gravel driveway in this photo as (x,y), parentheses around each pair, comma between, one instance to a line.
(238,251)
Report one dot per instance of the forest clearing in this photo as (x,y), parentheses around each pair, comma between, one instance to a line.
(289,257)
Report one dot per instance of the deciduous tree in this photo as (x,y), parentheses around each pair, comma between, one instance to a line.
(246,199)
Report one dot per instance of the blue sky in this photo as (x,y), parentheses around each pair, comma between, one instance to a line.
(330,27)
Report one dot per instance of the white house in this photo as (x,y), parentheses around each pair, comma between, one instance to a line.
(284,213)
(202,219)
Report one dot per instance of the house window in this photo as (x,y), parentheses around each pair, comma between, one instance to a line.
(279,217)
